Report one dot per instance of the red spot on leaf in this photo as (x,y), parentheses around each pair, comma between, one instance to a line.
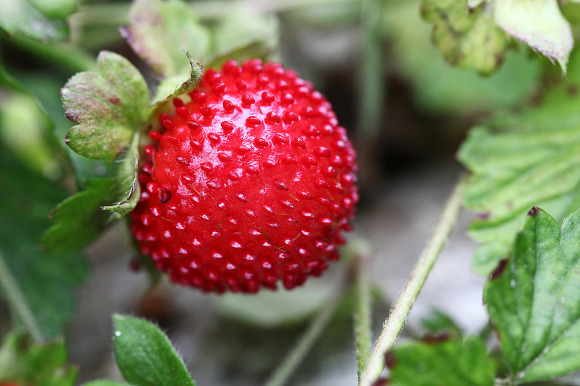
(498,271)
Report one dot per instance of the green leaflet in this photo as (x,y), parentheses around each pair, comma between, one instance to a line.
(467,38)
(521,160)
(534,302)
(451,362)
(145,355)
(161,32)
(30,18)
(108,106)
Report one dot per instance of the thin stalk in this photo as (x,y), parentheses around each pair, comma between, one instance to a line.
(400,311)
(17,300)
(305,342)
(362,311)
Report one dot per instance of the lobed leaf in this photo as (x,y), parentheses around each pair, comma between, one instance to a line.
(107,105)
(38,285)
(468,38)
(161,32)
(145,355)
(534,302)
(20,16)
(450,362)
(79,220)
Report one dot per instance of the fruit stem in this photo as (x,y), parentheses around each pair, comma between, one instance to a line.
(362,306)
(400,311)
(16,298)
(306,341)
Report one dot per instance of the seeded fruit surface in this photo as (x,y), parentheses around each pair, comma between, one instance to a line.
(247,184)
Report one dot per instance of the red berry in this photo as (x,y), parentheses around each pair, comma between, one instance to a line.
(250,182)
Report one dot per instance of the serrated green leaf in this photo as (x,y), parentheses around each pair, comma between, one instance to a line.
(451,362)
(539,24)
(145,355)
(468,38)
(79,219)
(38,285)
(55,9)
(161,32)
(534,301)
(26,363)
(108,106)
(130,189)
(518,161)
(19,16)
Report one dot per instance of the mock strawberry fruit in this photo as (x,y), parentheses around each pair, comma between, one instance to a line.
(250,182)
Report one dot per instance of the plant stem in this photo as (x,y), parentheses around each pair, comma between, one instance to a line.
(306,341)
(361,310)
(17,299)
(400,311)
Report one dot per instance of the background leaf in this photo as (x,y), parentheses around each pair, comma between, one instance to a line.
(534,300)
(452,362)
(19,16)
(79,219)
(145,355)
(161,32)
(520,160)
(107,105)
(467,38)
(55,9)
(26,363)
(38,285)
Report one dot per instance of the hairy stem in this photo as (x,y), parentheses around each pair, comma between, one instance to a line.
(400,311)
(306,341)
(361,310)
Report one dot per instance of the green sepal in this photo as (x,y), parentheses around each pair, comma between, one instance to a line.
(127,181)
(107,105)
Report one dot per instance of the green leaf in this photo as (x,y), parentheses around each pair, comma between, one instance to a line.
(243,34)
(38,285)
(26,363)
(539,24)
(451,362)
(19,16)
(107,105)
(105,383)
(521,160)
(438,321)
(468,38)
(145,355)
(161,32)
(534,302)
(55,9)
(130,189)
(79,219)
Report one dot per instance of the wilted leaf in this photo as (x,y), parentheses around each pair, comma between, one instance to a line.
(145,355)
(539,24)
(161,32)
(534,301)
(108,106)
(448,362)
(468,38)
